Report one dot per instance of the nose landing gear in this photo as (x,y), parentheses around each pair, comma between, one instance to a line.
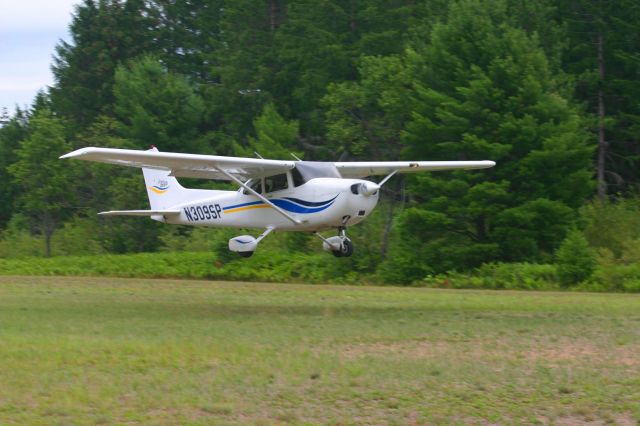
(340,245)
(345,250)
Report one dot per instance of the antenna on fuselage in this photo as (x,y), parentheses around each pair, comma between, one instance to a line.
(258,155)
(295,156)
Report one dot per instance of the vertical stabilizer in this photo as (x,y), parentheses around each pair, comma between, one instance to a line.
(164,191)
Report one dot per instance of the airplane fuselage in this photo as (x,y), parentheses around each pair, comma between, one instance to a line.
(321,203)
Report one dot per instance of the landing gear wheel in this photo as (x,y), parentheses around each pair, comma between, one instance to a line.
(245,253)
(346,249)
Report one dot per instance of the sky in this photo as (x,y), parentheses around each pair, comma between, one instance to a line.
(29,31)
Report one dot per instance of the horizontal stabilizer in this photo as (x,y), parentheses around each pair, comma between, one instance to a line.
(140,213)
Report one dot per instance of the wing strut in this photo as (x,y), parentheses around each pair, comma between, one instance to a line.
(257,194)
(389,176)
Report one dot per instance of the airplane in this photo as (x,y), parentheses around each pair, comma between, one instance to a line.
(307,196)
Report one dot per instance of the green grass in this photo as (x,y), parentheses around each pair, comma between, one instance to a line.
(132,351)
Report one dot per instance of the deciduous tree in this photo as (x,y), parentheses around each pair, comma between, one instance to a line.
(45,182)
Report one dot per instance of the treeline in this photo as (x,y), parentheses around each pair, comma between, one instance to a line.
(547,89)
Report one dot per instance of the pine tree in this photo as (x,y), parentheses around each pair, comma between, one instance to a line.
(158,107)
(483,89)
(364,118)
(240,68)
(187,35)
(274,135)
(575,260)
(105,34)
(604,58)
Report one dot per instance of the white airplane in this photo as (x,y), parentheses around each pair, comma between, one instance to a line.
(278,195)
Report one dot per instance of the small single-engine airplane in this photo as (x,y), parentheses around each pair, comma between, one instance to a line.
(273,195)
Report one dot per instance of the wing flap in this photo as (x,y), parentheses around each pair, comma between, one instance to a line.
(361,169)
(140,213)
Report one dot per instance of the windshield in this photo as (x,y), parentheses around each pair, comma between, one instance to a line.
(317,169)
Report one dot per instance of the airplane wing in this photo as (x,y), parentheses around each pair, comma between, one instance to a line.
(186,165)
(361,169)
(220,168)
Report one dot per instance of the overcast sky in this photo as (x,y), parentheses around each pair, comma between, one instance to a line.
(29,31)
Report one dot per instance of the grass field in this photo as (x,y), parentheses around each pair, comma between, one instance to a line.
(129,351)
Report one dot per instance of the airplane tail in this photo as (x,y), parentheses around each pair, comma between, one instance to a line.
(165,191)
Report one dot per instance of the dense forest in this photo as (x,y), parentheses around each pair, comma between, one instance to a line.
(550,90)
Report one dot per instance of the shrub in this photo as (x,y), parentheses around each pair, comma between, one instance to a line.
(575,260)
(511,276)
(617,277)
(612,225)
(263,266)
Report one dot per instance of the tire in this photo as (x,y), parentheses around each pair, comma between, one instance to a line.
(245,253)
(346,248)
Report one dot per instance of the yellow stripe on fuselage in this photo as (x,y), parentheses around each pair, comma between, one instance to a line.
(158,191)
(239,209)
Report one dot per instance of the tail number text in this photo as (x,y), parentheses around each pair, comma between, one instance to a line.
(206,212)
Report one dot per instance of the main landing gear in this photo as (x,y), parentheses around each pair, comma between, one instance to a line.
(340,245)
(245,245)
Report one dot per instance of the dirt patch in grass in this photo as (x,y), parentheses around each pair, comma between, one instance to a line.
(415,349)
(585,351)
(624,419)
(556,352)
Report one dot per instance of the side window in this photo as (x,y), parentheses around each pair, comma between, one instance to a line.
(275,183)
(256,185)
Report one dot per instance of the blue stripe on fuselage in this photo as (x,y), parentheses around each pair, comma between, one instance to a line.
(293,205)
(294,208)
(310,203)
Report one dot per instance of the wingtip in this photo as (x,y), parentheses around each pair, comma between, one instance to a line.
(72,154)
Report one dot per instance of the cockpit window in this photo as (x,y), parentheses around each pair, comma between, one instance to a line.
(276,183)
